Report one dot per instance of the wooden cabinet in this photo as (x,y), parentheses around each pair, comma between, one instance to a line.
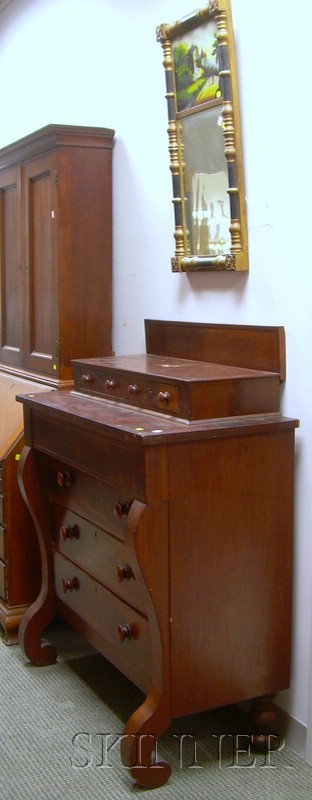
(55,250)
(56,304)
(165,541)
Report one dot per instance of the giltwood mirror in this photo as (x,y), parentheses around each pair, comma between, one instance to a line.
(205,141)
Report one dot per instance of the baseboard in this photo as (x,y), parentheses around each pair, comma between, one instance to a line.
(293,731)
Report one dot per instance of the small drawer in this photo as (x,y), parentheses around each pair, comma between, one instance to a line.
(102,504)
(3,554)
(3,581)
(98,553)
(155,396)
(134,390)
(121,634)
(101,383)
(1,479)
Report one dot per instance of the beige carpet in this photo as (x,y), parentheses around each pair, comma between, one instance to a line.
(58,726)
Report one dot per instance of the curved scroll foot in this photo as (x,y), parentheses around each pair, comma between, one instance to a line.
(139,743)
(42,611)
(33,623)
(263,715)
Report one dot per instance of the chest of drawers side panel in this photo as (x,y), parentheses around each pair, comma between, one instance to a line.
(231,520)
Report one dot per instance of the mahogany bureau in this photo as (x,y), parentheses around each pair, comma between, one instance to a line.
(161,489)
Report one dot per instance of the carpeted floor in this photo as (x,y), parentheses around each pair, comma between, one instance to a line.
(58,726)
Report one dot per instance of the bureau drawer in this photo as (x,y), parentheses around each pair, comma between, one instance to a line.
(135,390)
(105,620)
(2,509)
(1,479)
(102,504)
(101,555)
(88,450)
(3,555)
(3,581)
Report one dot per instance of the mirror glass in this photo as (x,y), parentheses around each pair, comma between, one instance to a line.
(205,141)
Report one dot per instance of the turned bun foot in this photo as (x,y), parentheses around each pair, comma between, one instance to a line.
(265,743)
(263,716)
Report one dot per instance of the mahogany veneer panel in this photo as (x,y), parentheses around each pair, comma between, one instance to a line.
(255,346)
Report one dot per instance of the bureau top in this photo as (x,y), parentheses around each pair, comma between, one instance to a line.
(160,396)
(136,426)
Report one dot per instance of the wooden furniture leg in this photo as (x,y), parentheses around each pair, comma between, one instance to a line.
(146,536)
(263,715)
(10,621)
(138,743)
(42,611)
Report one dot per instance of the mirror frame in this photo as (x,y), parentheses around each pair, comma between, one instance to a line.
(226,99)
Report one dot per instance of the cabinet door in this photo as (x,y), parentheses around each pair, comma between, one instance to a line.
(10,267)
(39,197)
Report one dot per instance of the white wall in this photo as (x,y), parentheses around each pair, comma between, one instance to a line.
(97,62)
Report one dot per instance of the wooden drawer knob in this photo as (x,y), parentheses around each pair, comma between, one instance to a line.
(124,632)
(121,508)
(70,532)
(87,379)
(133,389)
(163,397)
(124,572)
(68,584)
(110,384)
(63,478)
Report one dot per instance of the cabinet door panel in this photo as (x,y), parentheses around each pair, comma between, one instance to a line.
(10,267)
(40,215)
